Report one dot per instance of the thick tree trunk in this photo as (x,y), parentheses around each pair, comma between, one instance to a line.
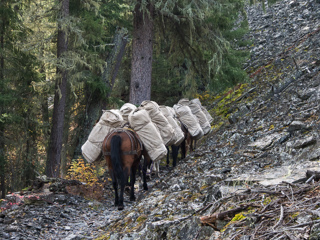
(94,108)
(2,162)
(2,165)
(28,173)
(45,115)
(55,144)
(2,156)
(68,112)
(141,63)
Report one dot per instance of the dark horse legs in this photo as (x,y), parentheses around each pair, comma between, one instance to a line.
(115,187)
(132,181)
(175,151)
(123,151)
(143,169)
(144,173)
(117,173)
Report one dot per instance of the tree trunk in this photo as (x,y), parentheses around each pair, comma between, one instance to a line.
(114,58)
(109,75)
(66,132)
(2,156)
(55,143)
(141,63)
(45,115)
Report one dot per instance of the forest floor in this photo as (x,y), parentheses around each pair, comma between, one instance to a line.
(255,176)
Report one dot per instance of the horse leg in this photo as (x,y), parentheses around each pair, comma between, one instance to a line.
(146,162)
(149,170)
(141,169)
(132,181)
(123,182)
(157,167)
(183,149)
(115,187)
(168,158)
(175,151)
(189,147)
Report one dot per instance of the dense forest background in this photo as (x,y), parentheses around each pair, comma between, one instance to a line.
(62,62)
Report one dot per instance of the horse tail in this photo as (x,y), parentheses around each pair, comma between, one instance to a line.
(116,156)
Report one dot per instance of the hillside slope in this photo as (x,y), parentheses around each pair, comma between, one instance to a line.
(247,180)
(254,177)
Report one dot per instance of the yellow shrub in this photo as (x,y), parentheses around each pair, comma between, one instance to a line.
(83,172)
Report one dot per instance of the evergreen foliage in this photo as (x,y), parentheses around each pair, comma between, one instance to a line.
(194,51)
(199,42)
(18,104)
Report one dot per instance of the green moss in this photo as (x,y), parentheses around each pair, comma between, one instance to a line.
(266,201)
(294,215)
(238,217)
(142,218)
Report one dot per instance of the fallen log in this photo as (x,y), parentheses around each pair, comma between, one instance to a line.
(53,184)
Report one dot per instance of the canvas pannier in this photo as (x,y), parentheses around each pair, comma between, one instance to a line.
(184,101)
(168,112)
(109,120)
(140,122)
(162,123)
(189,120)
(203,121)
(91,151)
(205,111)
(126,109)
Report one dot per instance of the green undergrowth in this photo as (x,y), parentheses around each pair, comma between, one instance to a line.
(221,105)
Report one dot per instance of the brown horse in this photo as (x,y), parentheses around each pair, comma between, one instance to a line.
(123,149)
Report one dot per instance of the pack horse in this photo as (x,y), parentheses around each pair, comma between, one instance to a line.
(123,149)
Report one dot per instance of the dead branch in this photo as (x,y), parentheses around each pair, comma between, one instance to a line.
(315,174)
(222,215)
(303,224)
(280,218)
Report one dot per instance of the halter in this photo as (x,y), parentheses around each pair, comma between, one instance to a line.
(134,143)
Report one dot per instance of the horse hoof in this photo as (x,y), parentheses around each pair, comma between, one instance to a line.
(132,198)
(120,208)
(145,188)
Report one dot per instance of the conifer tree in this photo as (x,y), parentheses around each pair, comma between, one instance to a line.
(142,48)
(193,32)
(55,143)
(18,123)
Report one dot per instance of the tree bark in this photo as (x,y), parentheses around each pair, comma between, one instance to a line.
(55,143)
(2,156)
(70,102)
(114,58)
(141,63)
